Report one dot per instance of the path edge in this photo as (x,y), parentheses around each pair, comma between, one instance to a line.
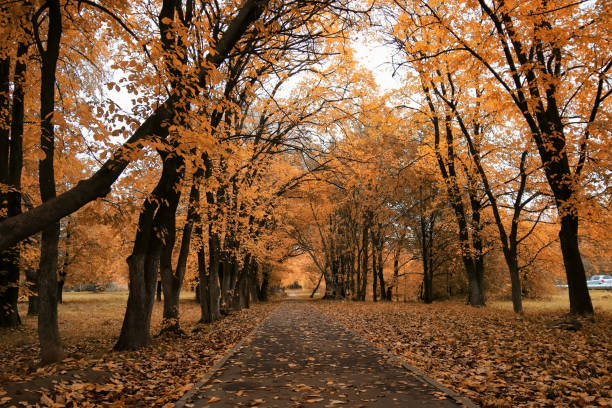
(217,366)
(458,398)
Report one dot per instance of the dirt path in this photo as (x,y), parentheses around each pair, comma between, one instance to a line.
(299,357)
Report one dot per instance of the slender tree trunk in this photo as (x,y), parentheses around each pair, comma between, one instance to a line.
(357,295)
(364,261)
(214,289)
(202,276)
(316,287)
(32,283)
(374,271)
(265,283)
(425,256)
(159,290)
(253,283)
(381,277)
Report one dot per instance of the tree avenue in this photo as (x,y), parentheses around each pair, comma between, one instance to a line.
(184,144)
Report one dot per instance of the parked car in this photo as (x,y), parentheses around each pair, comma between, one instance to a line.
(600,282)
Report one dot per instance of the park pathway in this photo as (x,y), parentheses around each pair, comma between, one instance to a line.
(298,357)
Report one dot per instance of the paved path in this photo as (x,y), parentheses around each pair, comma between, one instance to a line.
(299,357)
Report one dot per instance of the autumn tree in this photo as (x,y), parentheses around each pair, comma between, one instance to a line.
(542,58)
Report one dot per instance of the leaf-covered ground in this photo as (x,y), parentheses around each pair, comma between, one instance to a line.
(490,355)
(92,375)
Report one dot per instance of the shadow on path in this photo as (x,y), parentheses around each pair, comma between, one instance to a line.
(298,357)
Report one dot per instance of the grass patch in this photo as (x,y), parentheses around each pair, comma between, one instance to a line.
(559,302)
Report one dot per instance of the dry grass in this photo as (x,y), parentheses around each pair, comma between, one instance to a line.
(559,302)
(83,314)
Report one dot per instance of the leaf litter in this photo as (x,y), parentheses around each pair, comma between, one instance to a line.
(493,357)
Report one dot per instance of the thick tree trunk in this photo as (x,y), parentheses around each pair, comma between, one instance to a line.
(239,300)
(143,263)
(253,284)
(580,300)
(137,320)
(48,331)
(9,289)
(475,287)
(172,281)
(517,295)
(10,174)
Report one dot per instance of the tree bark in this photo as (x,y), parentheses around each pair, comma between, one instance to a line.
(580,300)
(214,290)
(159,290)
(11,164)
(425,256)
(374,271)
(32,284)
(143,263)
(48,331)
(364,260)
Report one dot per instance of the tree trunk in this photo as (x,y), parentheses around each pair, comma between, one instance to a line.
(48,331)
(265,283)
(253,283)
(172,281)
(32,283)
(60,289)
(580,300)
(137,321)
(364,261)
(11,164)
(374,272)
(427,272)
(381,277)
(214,290)
(159,290)
(143,263)
(314,291)
(517,296)
(202,278)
